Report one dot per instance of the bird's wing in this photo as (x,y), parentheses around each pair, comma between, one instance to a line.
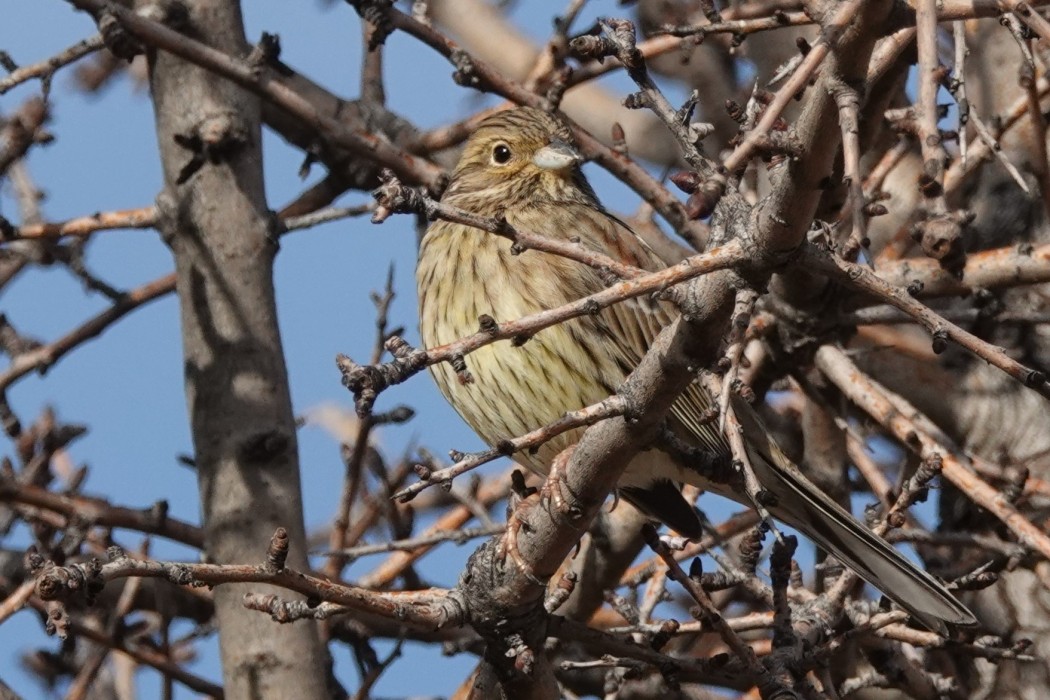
(636,323)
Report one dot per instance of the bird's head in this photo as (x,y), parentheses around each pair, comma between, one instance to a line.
(520,155)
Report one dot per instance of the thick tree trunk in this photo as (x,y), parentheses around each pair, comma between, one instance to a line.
(222,235)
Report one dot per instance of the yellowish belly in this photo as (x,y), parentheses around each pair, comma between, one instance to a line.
(514,389)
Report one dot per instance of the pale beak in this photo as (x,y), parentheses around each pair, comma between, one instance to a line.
(558,156)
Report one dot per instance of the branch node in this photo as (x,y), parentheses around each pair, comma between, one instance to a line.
(277,552)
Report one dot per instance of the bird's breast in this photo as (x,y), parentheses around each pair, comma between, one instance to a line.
(465,273)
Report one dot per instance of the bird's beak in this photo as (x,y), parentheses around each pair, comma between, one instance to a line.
(558,156)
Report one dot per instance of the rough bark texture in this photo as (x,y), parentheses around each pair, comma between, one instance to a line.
(223,239)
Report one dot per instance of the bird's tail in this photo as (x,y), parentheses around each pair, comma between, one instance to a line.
(802,505)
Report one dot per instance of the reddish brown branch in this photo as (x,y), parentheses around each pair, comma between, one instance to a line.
(95,511)
(863,279)
(874,399)
(429,608)
(991,269)
(143,217)
(44,356)
(831,31)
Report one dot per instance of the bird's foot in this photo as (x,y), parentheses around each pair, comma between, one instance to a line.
(552,493)
(508,548)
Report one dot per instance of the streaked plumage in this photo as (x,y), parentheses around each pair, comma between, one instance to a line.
(518,163)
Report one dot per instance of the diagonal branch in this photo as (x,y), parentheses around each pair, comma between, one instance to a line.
(874,399)
(861,278)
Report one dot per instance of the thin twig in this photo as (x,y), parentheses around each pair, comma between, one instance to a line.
(451,520)
(261,82)
(366,382)
(46,355)
(589,415)
(844,13)
(355,460)
(457,536)
(141,653)
(710,613)
(83,226)
(46,69)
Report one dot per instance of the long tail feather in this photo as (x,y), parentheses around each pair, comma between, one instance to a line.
(804,506)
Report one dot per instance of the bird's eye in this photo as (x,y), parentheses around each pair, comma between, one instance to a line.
(500,154)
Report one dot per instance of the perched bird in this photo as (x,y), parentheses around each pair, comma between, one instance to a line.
(521,164)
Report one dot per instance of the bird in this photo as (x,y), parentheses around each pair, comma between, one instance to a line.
(521,164)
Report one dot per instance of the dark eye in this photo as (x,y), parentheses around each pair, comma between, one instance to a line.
(500,154)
